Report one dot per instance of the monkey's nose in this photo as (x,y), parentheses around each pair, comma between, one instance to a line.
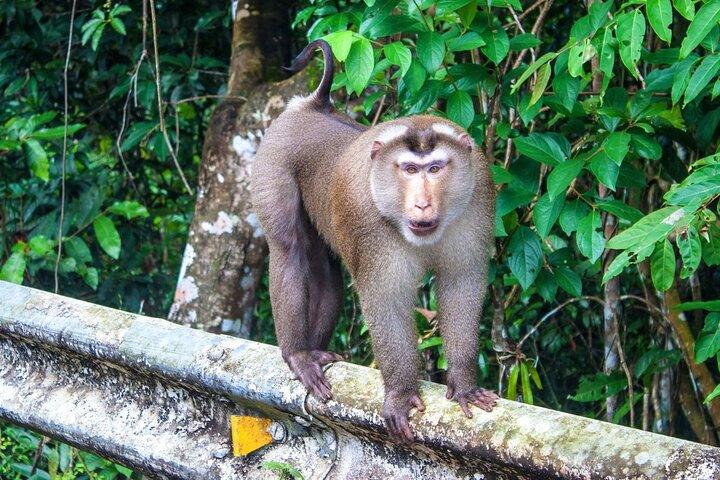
(422,205)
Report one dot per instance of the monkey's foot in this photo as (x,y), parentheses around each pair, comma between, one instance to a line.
(484,399)
(396,413)
(307,367)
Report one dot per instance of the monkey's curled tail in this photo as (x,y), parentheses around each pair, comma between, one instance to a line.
(321,95)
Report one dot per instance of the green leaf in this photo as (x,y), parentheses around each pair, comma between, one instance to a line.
(129,209)
(578,56)
(604,169)
(647,231)
(107,236)
(284,470)
(431,50)
(55,132)
(118,25)
(467,13)
(89,28)
(76,248)
(497,44)
(399,55)
(630,33)
(540,84)
(390,25)
(541,147)
(646,146)
(662,265)
(569,281)
(525,382)
(616,146)
(711,248)
(546,286)
(589,239)
(563,175)
(599,386)
(525,256)
(681,78)
(430,342)
(701,77)
(415,78)
(359,65)
(523,41)
(688,244)
(686,8)
(96,36)
(14,268)
(619,209)
(467,41)
(684,195)
(708,343)
(660,17)
(616,266)
(710,306)
(707,18)
(40,245)
(37,159)
(532,68)
(340,43)
(607,56)
(460,108)
(120,10)
(572,213)
(512,382)
(90,277)
(714,394)
(425,98)
(136,134)
(566,90)
(546,212)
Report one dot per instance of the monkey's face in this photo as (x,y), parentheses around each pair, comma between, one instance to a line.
(422,187)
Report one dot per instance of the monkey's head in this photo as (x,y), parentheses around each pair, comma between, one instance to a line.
(422,177)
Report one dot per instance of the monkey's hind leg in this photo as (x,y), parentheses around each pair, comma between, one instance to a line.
(292,240)
(325,297)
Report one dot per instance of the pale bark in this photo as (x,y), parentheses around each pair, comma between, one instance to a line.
(225,253)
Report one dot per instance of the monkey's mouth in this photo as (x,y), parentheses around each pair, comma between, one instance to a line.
(421,228)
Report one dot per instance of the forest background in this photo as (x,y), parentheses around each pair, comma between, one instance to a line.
(127,131)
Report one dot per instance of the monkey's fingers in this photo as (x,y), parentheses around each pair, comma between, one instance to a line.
(484,399)
(314,380)
(324,357)
(418,403)
(450,392)
(463,401)
(399,428)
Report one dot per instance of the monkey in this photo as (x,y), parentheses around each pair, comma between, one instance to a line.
(391,202)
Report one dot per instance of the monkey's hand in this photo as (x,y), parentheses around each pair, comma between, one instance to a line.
(470,395)
(307,367)
(396,412)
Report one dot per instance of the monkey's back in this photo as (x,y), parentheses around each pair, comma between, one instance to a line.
(295,163)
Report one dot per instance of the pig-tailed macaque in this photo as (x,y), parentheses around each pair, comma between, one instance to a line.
(392,202)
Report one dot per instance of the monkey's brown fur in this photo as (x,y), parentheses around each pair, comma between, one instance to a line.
(326,187)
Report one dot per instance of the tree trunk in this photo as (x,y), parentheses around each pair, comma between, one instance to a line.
(225,253)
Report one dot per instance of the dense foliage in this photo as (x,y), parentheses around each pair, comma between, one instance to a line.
(600,123)
(600,129)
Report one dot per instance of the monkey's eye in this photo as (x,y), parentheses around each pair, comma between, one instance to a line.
(411,169)
(434,169)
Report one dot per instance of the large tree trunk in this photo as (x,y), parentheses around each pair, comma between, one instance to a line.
(225,253)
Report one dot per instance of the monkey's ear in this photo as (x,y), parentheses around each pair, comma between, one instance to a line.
(467,140)
(376,146)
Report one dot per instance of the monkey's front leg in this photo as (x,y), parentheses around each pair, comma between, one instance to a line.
(387,303)
(460,294)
